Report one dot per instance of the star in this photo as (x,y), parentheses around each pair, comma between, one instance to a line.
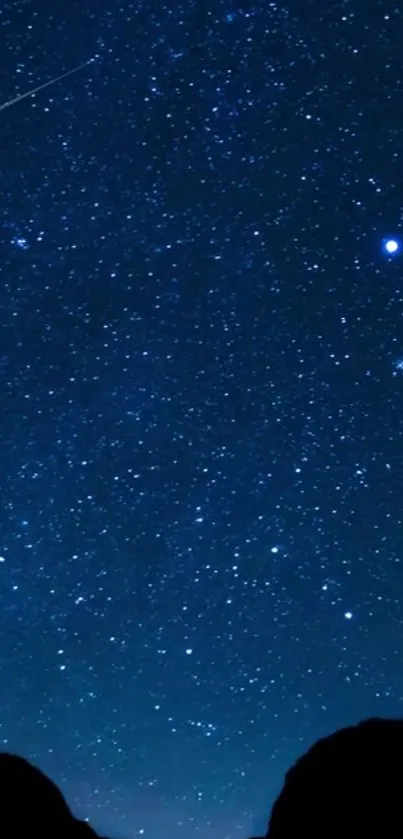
(391,246)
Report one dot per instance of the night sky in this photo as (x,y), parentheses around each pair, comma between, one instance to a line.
(201,433)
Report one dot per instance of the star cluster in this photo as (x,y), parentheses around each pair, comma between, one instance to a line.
(201,427)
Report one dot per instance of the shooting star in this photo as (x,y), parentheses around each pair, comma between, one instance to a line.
(46,84)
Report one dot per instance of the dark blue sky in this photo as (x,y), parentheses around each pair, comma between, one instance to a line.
(201,355)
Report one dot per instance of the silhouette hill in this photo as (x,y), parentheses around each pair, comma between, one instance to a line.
(349,784)
(32,805)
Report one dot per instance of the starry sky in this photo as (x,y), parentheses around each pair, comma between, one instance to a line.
(201,360)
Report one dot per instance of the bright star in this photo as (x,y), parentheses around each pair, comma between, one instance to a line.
(391,246)
(398,366)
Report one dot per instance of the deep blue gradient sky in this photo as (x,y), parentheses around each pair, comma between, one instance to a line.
(201,361)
